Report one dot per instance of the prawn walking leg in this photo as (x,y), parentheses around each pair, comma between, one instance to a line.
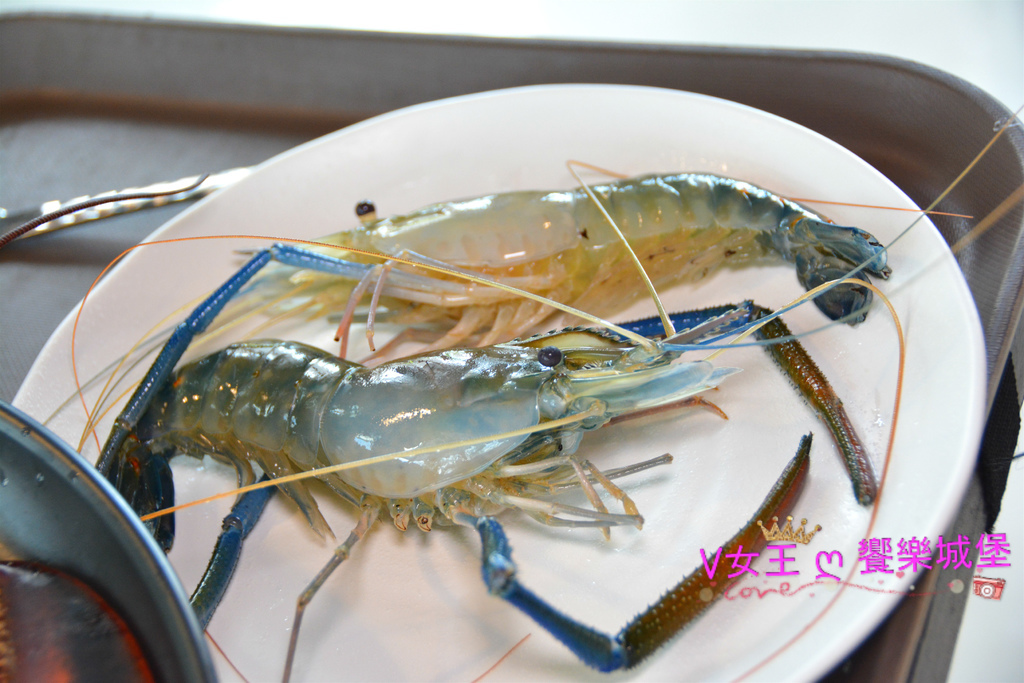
(366,520)
(659,622)
(235,528)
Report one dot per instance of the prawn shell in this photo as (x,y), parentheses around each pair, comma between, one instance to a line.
(470,393)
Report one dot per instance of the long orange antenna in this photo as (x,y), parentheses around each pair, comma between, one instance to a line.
(876,206)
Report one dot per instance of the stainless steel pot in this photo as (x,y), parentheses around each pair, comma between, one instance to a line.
(55,509)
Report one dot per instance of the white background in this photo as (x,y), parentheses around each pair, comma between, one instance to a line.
(981,42)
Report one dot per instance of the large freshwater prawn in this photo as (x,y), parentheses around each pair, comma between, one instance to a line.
(560,244)
(674,507)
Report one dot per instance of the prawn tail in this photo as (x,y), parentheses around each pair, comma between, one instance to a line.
(823,252)
(846,301)
(143,478)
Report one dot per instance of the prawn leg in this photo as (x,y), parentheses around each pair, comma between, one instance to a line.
(794,360)
(658,623)
(805,375)
(234,529)
(366,519)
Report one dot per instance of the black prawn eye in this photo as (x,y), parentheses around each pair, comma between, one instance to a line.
(365,208)
(549,356)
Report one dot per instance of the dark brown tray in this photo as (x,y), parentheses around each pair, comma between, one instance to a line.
(89,104)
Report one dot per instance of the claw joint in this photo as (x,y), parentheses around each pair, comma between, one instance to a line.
(499,574)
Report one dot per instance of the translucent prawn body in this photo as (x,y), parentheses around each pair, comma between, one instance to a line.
(558,244)
(255,402)
(518,228)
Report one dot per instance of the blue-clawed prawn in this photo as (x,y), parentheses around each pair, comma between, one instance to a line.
(558,244)
(475,431)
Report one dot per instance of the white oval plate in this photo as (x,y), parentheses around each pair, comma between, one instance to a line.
(412,606)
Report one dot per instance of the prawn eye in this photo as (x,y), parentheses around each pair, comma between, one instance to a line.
(549,356)
(365,208)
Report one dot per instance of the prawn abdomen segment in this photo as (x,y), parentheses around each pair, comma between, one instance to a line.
(266,393)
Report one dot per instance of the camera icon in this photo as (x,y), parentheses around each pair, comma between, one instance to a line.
(991,589)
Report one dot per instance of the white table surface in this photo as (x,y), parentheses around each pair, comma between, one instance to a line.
(981,41)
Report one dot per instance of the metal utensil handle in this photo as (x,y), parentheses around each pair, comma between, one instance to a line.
(213,182)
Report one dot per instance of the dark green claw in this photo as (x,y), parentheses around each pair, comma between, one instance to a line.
(695,593)
(793,358)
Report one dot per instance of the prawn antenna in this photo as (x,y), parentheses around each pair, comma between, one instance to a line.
(956,181)
(670,330)
(982,227)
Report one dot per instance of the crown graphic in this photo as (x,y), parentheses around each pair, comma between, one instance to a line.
(787,533)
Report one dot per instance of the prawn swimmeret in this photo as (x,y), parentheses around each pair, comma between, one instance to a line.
(453,436)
